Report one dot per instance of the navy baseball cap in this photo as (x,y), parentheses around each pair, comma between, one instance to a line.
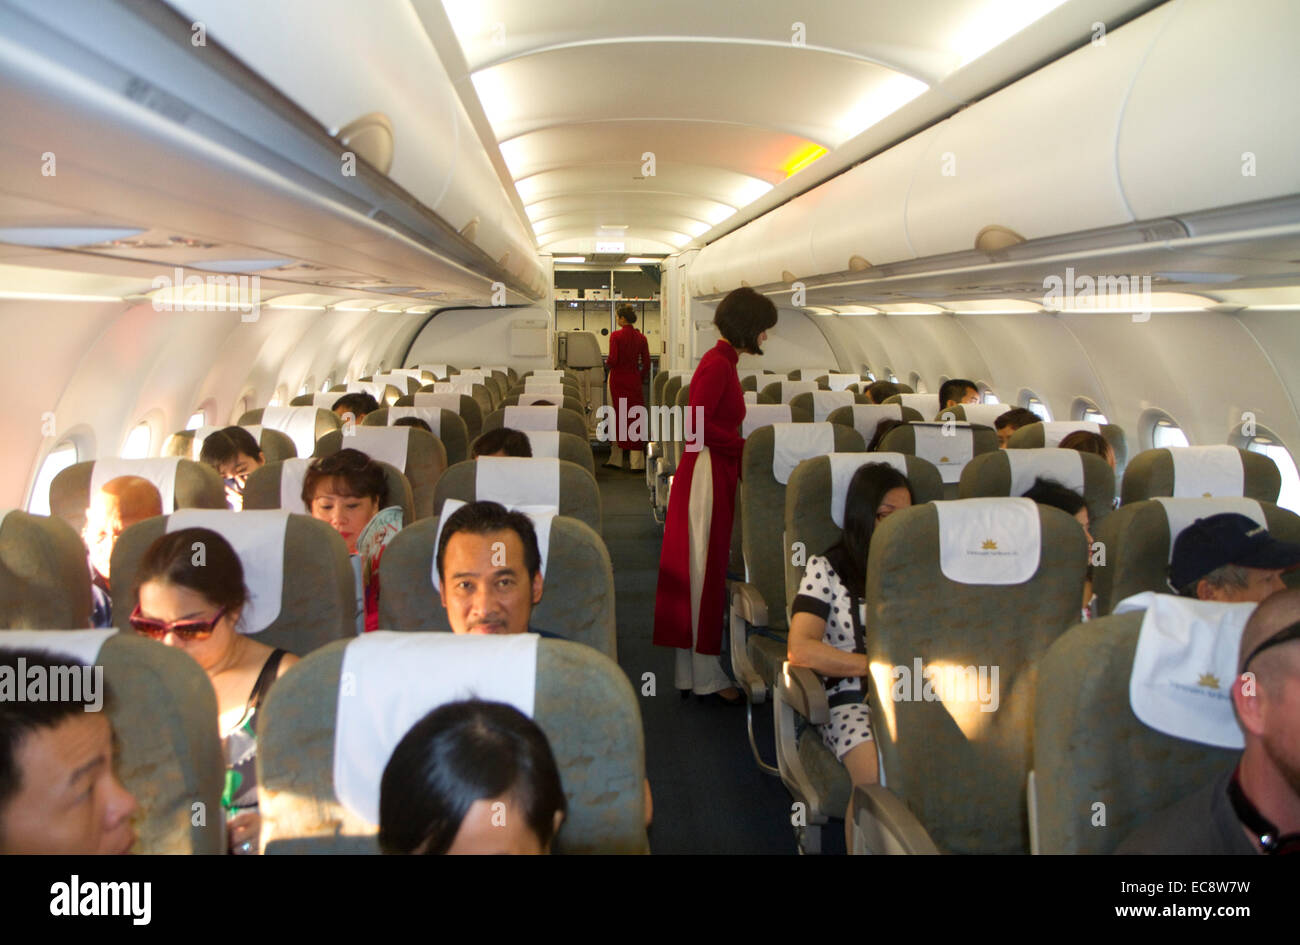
(1230,538)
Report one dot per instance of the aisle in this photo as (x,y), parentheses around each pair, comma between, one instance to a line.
(709,795)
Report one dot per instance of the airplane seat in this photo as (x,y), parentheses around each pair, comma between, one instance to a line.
(814,516)
(577,600)
(517,482)
(927,405)
(1094,757)
(475,391)
(907,388)
(44,574)
(864,416)
(498,383)
(532,398)
(440,372)
(547,385)
(817,405)
(537,418)
(835,380)
(983,414)
(552,444)
(1011,472)
(279,486)
(445,424)
(300,581)
(303,425)
(470,378)
(1040,435)
(402,382)
(383,391)
(462,405)
(1138,541)
(188,444)
(1188,472)
(661,463)
(758,618)
(808,374)
(419,455)
(963,600)
(168,747)
(313,801)
(948,445)
(754,380)
(325,401)
(782,392)
(182,484)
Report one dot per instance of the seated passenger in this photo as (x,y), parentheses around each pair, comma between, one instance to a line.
(119,504)
(1087,442)
(471,777)
(1229,558)
(1050,492)
(348,489)
(190,585)
(958,391)
(355,407)
(58,791)
(879,391)
(826,624)
(234,453)
(1011,421)
(503,441)
(1254,808)
(413,422)
(883,429)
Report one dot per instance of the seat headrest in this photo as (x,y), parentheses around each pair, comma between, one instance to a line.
(1063,466)
(1207,472)
(160,470)
(258,539)
(545,444)
(824,401)
(791,389)
(297,423)
(292,472)
(751,396)
(542,385)
(449,400)
(1182,512)
(762,415)
(387,444)
(989,541)
(532,418)
(390,680)
(1055,431)
(843,468)
(81,645)
(866,417)
(1185,666)
(430,415)
(541,516)
(987,414)
(531,397)
(792,443)
(927,405)
(948,445)
(841,381)
(518,480)
(374,388)
(437,370)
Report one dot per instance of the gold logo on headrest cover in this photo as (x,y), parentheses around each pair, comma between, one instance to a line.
(1207,495)
(1209,681)
(944,459)
(989,545)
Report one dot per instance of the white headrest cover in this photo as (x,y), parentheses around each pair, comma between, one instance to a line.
(986,414)
(749,372)
(841,381)
(160,470)
(517,480)
(386,444)
(751,396)
(845,465)
(534,385)
(292,473)
(456,386)
(1057,430)
(196,441)
(83,645)
(545,443)
(443,401)
(1207,471)
(376,389)
(866,417)
(762,415)
(258,538)
(4,513)
(791,389)
(1063,466)
(400,381)
(437,370)
(792,443)
(297,423)
(430,415)
(949,445)
(471,377)
(327,400)
(989,541)
(1185,666)
(812,373)
(824,401)
(528,398)
(391,680)
(541,516)
(1182,512)
(926,404)
(546,374)
(532,418)
(414,373)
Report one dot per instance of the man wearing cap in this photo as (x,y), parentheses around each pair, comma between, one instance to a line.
(1255,807)
(1230,558)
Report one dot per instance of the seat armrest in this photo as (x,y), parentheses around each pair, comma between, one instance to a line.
(748,603)
(803,691)
(884,824)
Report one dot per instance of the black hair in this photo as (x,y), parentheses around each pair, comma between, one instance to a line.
(217,573)
(357,404)
(879,391)
(460,753)
(1050,492)
(883,429)
(413,422)
(627,313)
(360,476)
(1085,441)
(21,718)
(483,518)
(514,442)
(742,316)
(867,489)
(955,389)
(225,445)
(1016,418)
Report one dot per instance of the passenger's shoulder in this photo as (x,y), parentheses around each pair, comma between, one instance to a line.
(1187,827)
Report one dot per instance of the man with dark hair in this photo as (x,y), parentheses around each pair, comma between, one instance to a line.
(58,792)
(490,569)
(743,318)
(1254,808)
(357,404)
(503,441)
(958,391)
(1230,558)
(1008,423)
(879,391)
(235,454)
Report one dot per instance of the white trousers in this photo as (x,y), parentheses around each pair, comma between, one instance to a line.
(699,673)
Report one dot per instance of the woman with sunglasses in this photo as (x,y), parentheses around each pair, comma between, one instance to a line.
(190,592)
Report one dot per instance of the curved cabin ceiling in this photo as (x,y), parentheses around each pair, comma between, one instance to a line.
(729,101)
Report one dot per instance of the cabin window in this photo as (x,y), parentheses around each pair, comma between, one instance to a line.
(306,387)
(138,443)
(1085,409)
(1035,405)
(867,373)
(1267,443)
(918,383)
(1165,433)
(281,396)
(986,393)
(327,384)
(197,419)
(57,460)
(889,373)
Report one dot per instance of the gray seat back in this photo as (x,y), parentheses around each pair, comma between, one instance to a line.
(426,460)
(905,439)
(196,486)
(275,445)
(990,474)
(579,495)
(462,405)
(446,425)
(325,421)
(44,575)
(819,405)
(563,446)
(783,392)
(1152,473)
(865,417)
(1039,435)
(566,421)
(263,490)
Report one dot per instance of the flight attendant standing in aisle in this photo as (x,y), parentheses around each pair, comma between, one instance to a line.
(629,367)
(690,599)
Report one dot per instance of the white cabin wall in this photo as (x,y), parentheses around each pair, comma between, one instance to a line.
(472,336)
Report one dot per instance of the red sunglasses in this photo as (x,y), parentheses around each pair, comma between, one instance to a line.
(185,629)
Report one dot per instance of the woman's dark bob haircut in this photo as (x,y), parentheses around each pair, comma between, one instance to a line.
(354,474)
(460,753)
(742,316)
